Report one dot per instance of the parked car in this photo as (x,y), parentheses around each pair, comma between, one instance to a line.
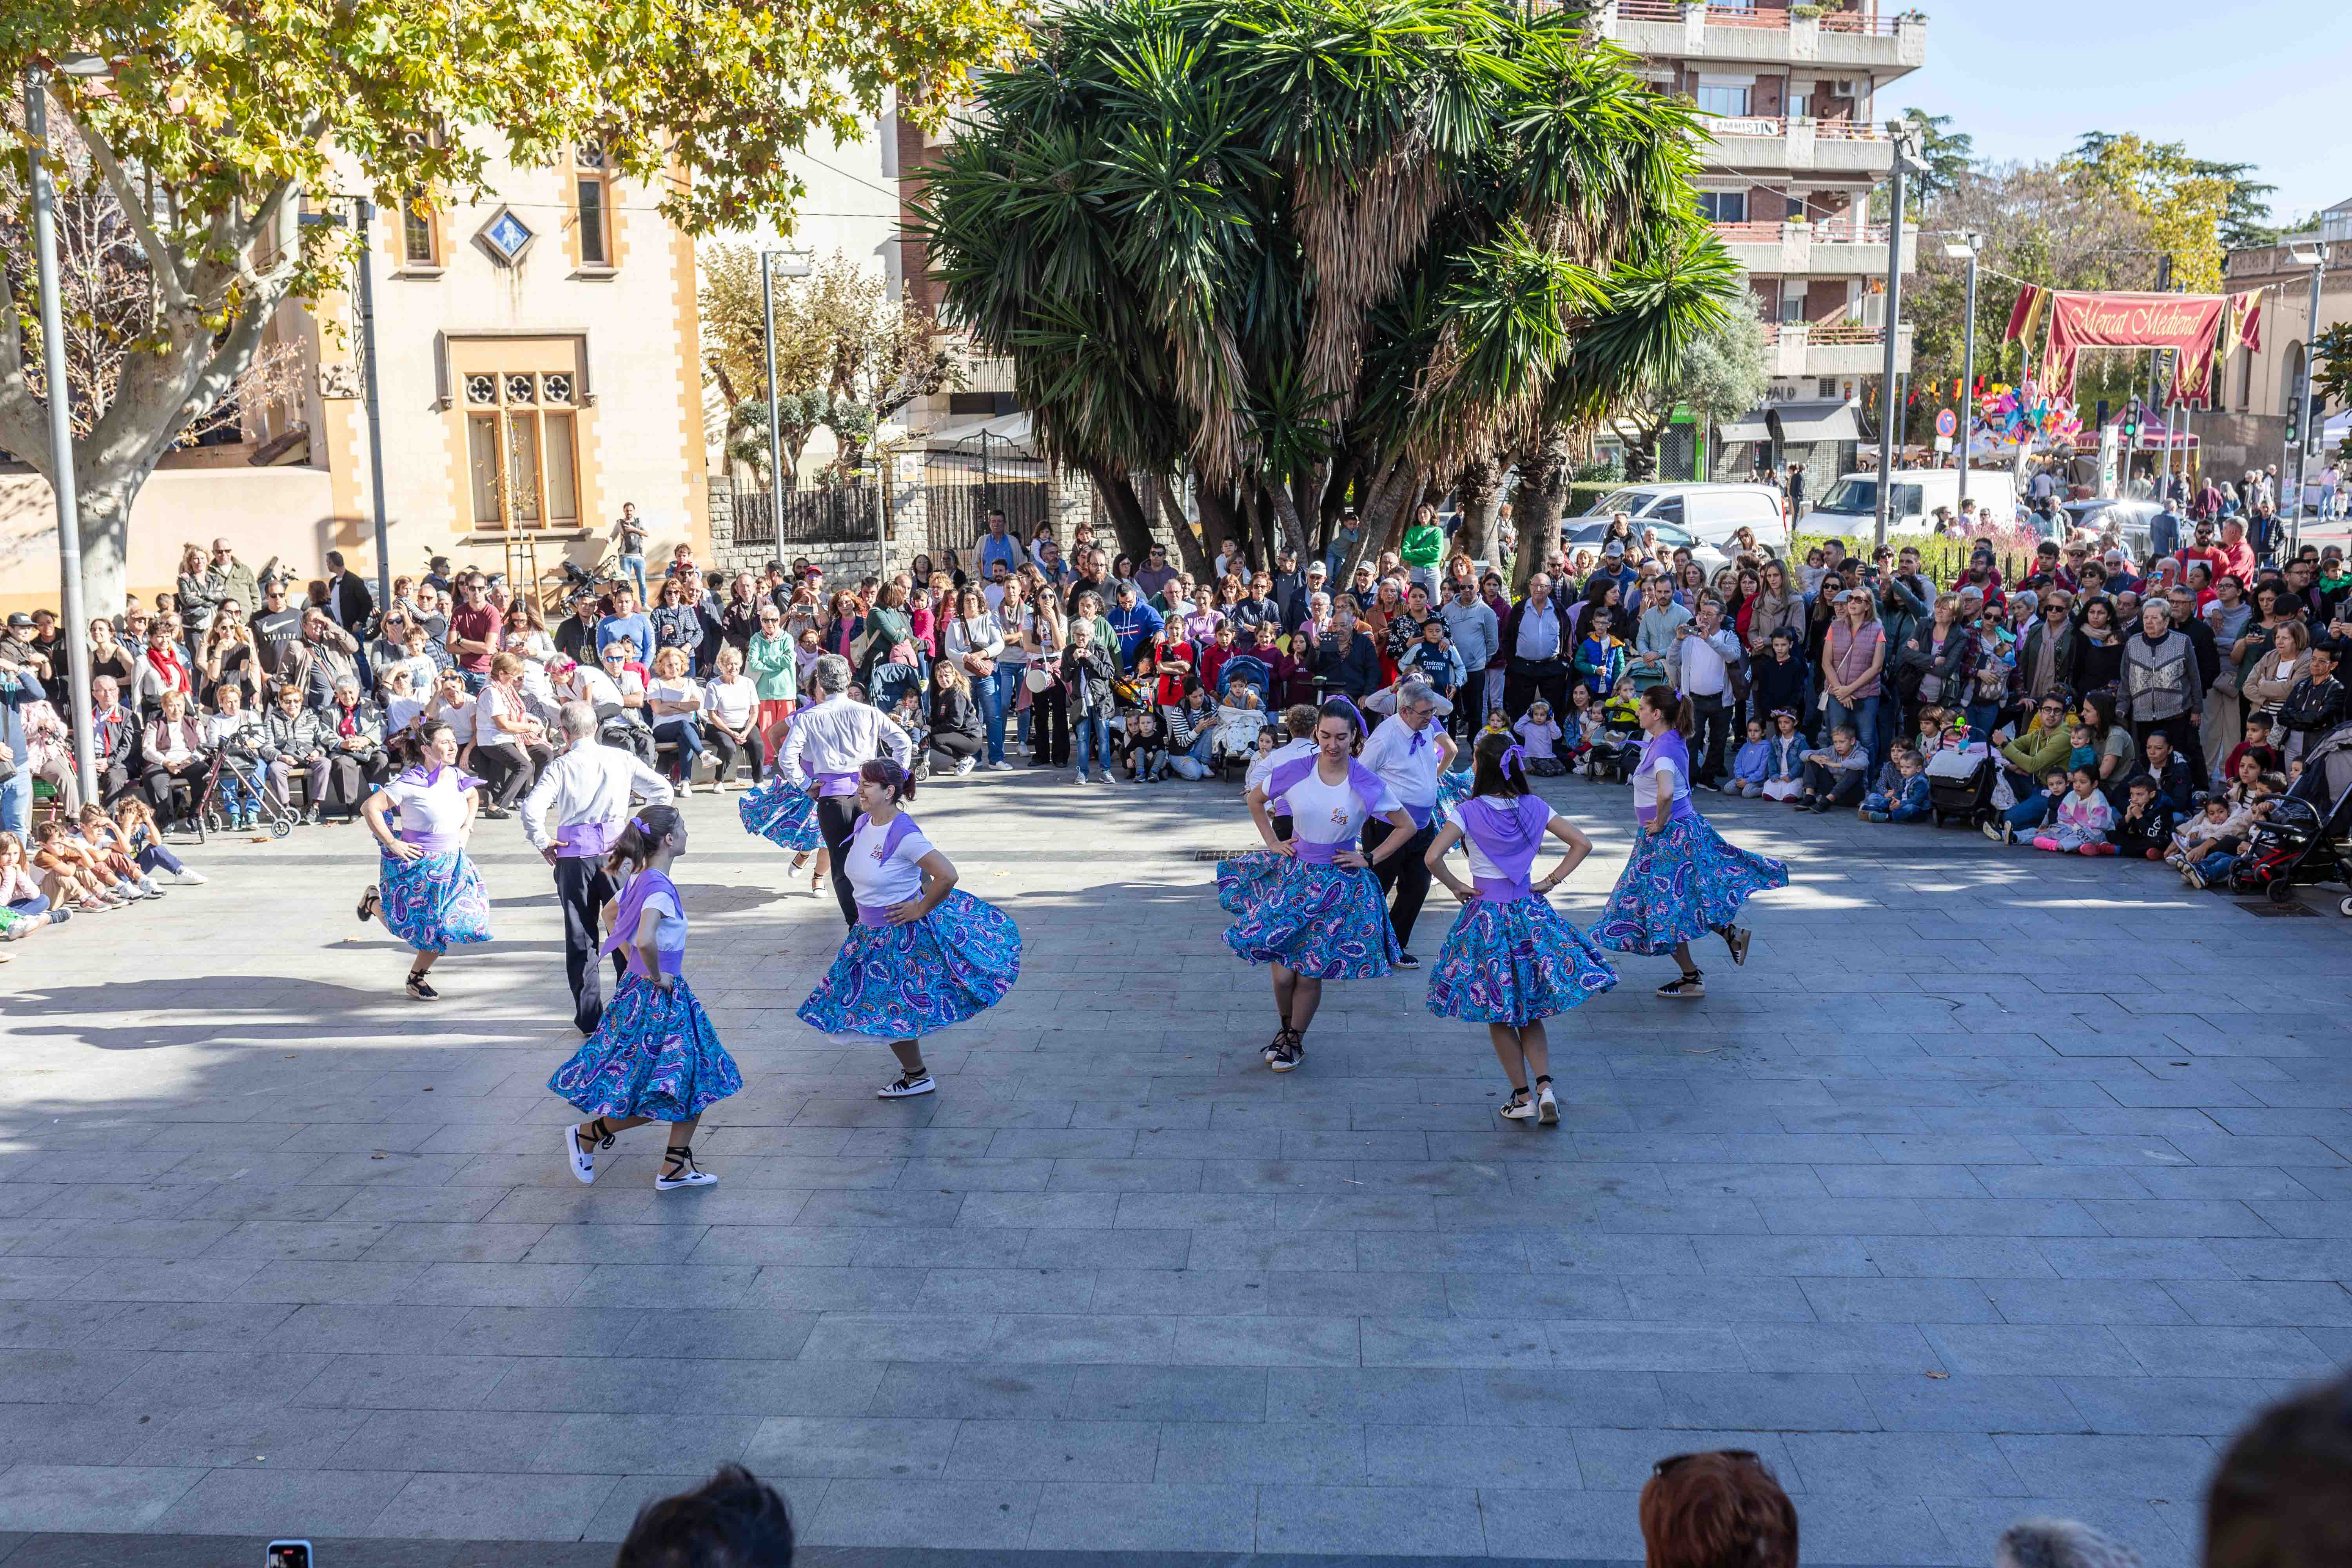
(1584,533)
(2127,519)
(1707,512)
(1849,507)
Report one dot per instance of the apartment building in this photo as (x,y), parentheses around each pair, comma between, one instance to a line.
(1792,94)
(2249,428)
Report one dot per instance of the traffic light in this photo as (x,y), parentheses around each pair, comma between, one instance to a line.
(2294,421)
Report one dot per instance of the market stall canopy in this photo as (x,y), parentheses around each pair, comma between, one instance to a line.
(1815,419)
(1003,434)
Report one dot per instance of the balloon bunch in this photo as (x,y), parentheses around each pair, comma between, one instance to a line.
(2026,414)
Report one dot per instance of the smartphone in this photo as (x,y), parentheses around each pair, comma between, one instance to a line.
(287,1554)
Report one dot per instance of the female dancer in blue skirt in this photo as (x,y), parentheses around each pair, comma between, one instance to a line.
(785,816)
(654,1057)
(1682,880)
(1310,905)
(923,955)
(426,889)
(1511,960)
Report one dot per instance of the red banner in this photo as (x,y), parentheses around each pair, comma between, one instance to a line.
(2204,329)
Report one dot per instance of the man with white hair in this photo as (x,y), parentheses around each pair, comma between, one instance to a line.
(587,789)
(1408,752)
(829,742)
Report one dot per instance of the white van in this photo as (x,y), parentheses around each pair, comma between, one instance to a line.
(1850,508)
(1711,513)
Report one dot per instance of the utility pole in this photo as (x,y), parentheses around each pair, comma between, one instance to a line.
(61,451)
(775,436)
(1902,133)
(366,210)
(1970,244)
(2298,451)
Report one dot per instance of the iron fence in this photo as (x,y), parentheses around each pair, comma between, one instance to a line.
(836,514)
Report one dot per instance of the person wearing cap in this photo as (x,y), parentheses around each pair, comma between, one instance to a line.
(1614,563)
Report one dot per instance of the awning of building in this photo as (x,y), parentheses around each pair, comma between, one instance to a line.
(1004,434)
(1749,426)
(1804,420)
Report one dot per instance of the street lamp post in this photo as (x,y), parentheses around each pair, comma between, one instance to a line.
(53,371)
(1967,248)
(2315,258)
(795,265)
(1901,131)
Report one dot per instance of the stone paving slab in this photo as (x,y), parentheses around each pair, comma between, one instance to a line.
(1972,1196)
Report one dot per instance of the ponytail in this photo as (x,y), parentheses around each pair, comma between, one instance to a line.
(1500,765)
(408,746)
(645,832)
(890,775)
(1674,708)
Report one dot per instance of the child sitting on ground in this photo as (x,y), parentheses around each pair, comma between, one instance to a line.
(2145,830)
(2222,854)
(1834,776)
(2207,831)
(1750,765)
(1784,765)
(1907,802)
(2084,821)
(1539,733)
(1142,746)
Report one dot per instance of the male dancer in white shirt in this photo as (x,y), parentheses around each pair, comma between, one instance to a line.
(1408,752)
(829,742)
(588,790)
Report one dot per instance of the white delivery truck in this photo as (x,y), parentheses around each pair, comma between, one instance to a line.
(1849,507)
(1711,513)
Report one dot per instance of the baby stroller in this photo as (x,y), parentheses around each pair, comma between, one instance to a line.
(242,786)
(1963,788)
(2307,837)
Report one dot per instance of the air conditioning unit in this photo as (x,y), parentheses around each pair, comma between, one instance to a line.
(1845,86)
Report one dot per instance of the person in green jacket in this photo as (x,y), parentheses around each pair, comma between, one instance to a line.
(774,670)
(2044,745)
(1423,546)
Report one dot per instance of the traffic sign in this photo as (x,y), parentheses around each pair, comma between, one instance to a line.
(1947,422)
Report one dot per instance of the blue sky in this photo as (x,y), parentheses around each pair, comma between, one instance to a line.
(2259,81)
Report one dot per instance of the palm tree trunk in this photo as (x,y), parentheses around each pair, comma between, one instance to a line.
(1125,507)
(1478,491)
(1543,488)
(1188,544)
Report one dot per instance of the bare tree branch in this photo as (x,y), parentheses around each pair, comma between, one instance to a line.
(160,259)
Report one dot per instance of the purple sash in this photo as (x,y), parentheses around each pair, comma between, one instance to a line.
(1668,745)
(1507,834)
(586,840)
(1312,853)
(836,783)
(642,887)
(892,836)
(431,843)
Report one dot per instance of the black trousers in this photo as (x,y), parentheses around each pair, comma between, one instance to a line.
(1049,726)
(510,768)
(954,748)
(584,887)
(1524,680)
(725,748)
(160,777)
(1404,876)
(1712,718)
(836,818)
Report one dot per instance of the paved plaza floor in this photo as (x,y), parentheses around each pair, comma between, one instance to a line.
(1995,1184)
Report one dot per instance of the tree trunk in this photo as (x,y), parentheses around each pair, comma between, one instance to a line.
(1642,458)
(103,511)
(1127,518)
(1180,527)
(1543,486)
(1283,524)
(1478,491)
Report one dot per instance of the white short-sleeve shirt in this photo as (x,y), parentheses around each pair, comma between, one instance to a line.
(893,880)
(435,810)
(1645,787)
(1331,814)
(731,702)
(669,925)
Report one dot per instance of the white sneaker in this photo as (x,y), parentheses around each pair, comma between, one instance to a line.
(967,765)
(1546,1107)
(1000,766)
(583,1161)
(190,878)
(904,1086)
(1517,1109)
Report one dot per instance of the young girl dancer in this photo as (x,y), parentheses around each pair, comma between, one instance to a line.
(1682,880)
(426,889)
(1511,960)
(654,1057)
(1310,905)
(785,816)
(923,955)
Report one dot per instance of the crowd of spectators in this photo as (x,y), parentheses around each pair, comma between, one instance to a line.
(2146,705)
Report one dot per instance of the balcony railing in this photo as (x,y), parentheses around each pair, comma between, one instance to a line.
(1862,21)
(1845,332)
(1778,125)
(1834,232)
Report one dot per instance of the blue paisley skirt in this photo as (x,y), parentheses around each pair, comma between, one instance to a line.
(898,982)
(1515,962)
(1453,789)
(654,1054)
(1680,885)
(784,817)
(433,903)
(1326,922)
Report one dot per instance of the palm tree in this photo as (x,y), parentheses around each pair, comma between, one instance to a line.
(1304,253)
